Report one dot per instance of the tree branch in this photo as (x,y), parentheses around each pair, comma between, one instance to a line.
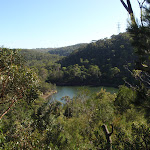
(125,6)
(128,7)
(7,109)
(108,136)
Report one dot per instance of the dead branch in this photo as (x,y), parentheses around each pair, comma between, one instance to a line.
(108,136)
(129,9)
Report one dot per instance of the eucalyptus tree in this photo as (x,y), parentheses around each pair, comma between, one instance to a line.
(140,33)
(17,82)
(139,30)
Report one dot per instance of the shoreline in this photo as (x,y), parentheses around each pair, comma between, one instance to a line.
(91,85)
(47,94)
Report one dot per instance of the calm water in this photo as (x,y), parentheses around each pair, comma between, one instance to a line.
(72,91)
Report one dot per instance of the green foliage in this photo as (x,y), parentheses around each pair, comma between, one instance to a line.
(17,82)
(102,105)
(65,51)
(43,64)
(99,63)
(78,122)
(46,87)
(141,136)
(125,99)
(114,71)
(140,33)
(32,55)
(137,137)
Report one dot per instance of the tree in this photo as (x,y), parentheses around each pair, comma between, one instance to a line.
(114,71)
(17,82)
(94,71)
(128,7)
(125,98)
(140,33)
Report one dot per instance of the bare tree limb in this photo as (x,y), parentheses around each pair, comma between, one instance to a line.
(129,9)
(141,6)
(147,74)
(144,80)
(129,84)
(108,136)
(125,6)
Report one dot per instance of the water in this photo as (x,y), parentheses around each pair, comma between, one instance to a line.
(72,91)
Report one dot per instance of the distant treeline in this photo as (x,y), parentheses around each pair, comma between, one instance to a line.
(61,51)
(65,51)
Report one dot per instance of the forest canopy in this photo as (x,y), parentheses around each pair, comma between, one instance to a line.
(87,121)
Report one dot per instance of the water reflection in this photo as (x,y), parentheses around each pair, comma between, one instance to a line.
(72,91)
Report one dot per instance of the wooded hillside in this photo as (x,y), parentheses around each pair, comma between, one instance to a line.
(103,62)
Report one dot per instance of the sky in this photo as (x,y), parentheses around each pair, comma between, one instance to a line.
(57,23)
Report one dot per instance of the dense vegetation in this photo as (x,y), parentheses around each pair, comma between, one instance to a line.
(78,124)
(61,51)
(99,121)
(40,62)
(103,62)
(99,63)
(65,51)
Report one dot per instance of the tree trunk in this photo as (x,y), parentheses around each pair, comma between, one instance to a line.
(108,136)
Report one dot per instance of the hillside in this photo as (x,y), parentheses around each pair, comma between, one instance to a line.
(41,50)
(38,55)
(102,52)
(65,51)
(102,62)
(61,51)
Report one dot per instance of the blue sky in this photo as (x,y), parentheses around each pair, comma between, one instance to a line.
(56,23)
